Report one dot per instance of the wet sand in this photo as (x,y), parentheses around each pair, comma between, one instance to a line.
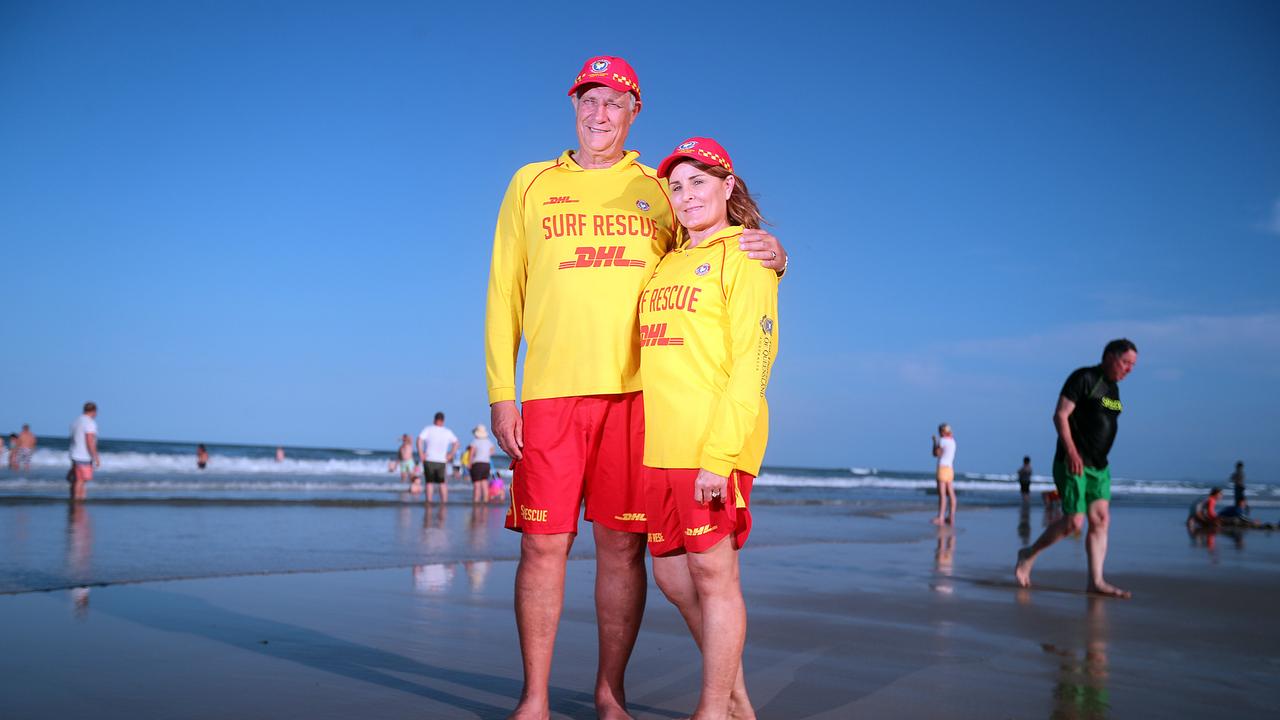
(852,614)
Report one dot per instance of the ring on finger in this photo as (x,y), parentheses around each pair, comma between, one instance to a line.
(775,254)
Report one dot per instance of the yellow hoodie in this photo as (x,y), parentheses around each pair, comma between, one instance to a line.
(571,252)
(708,335)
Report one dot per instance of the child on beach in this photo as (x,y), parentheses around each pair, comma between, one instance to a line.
(408,471)
(497,489)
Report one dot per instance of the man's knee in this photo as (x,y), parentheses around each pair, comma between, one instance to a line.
(545,548)
(1099,514)
(618,546)
(1075,522)
(1099,521)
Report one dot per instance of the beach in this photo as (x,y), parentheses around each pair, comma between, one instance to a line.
(195,608)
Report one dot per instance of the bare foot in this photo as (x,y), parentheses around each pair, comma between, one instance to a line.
(936,521)
(951,520)
(611,711)
(528,710)
(1022,571)
(1109,590)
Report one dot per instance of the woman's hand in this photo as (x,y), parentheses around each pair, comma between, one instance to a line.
(709,486)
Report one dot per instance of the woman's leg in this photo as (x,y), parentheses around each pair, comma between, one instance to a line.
(724,626)
(675,581)
(942,504)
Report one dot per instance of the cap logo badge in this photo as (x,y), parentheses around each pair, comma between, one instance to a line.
(703,269)
(642,205)
(600,65)
(688,146)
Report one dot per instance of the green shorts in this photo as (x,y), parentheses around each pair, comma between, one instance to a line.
(1079,491)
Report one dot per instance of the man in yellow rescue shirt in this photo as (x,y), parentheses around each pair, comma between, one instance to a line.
(576,240)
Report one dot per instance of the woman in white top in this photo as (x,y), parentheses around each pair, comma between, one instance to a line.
(945,451)
(481,450)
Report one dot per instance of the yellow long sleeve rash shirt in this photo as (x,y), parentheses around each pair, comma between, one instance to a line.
(572,250)
(708,336)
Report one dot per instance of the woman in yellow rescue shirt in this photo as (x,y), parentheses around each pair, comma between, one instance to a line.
(708,337)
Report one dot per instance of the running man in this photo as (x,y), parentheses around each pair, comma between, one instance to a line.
(1087,418)
(576,240)
(945,451)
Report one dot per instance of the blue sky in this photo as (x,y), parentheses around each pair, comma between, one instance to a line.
(270,222)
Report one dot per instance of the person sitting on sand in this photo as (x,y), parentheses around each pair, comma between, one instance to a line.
(1204,512)
(1238,516)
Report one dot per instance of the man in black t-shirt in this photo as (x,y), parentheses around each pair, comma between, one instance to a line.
(1086,420)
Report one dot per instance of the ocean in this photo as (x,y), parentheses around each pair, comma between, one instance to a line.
(141,469)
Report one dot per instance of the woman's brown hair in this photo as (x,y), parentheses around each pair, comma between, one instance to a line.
(740,207)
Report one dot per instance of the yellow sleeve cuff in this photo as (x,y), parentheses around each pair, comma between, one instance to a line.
(497,395)
(717,465)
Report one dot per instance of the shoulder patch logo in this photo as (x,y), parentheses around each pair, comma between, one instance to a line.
(600,65)
(766,324)
(703,269)
(642,205)
(688,146)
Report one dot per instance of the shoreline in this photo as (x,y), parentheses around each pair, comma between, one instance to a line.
(848,616)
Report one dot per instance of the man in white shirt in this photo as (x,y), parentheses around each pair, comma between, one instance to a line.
(436,446)
(84,451)
(945,451)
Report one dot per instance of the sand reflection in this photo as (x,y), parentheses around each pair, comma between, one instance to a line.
(1081,689)
(79,555)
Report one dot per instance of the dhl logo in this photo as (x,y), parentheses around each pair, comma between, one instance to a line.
(603,256)
(694,532)
(532,515)
(656,538)
(631,517)
(656,334)
(559,200)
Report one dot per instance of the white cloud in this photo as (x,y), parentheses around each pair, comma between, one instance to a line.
(1188,336)
(1272,226)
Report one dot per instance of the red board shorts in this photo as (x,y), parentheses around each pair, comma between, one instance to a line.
(580,448)
(678,523)
(80,471)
